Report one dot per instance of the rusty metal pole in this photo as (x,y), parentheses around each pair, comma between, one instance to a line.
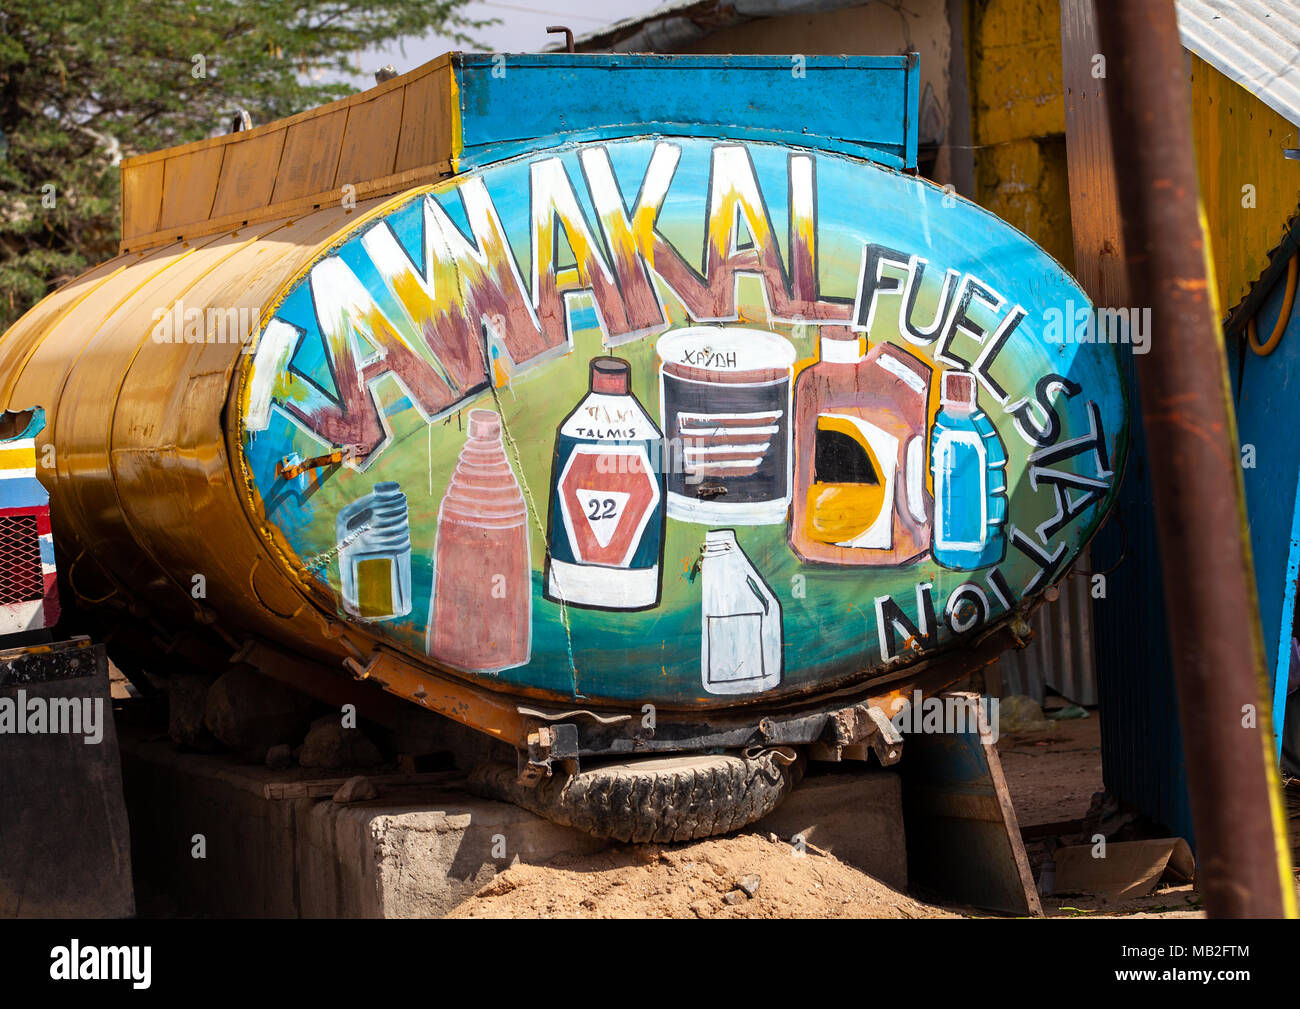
(1209,584)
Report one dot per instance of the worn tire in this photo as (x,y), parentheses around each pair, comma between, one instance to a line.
(658,799)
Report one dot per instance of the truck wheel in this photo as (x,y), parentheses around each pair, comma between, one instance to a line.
(658,799)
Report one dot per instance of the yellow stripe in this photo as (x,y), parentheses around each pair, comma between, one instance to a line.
(18,458)
(457,135)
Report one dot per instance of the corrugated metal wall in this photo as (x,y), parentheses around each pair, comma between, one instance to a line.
(1060,655)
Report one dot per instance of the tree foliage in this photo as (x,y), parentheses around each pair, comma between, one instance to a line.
(84,83)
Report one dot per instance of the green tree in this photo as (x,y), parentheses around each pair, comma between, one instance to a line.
(84,83)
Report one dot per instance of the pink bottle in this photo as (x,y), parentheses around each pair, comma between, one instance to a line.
(481,619)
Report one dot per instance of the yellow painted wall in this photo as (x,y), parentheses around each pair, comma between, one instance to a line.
(1239,142)
(1018,118)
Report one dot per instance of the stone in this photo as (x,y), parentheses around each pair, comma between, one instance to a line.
(250,713)
(735,897)
(1019,713)
(187,698)
(749,884)
(331,747)
(279,757)
(357,788)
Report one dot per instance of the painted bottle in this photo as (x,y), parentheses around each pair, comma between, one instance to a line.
(969,465)
(374,550)
(740,633)
(607,499)
(860,495)
(482,604)
(724,397)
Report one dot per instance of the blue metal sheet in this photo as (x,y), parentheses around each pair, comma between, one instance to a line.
(518,103)
(1268,412)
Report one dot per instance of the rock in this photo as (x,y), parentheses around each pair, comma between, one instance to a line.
(750,884)
(358,788)
(329,747)
(251,713)
(735,897)
(187,696)
(280,757)
(1020,714)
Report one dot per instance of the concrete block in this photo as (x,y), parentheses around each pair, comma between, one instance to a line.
(855,815)
(406,854)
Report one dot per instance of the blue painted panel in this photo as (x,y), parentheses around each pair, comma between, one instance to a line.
(22,492)
(518,103)
(1268,415)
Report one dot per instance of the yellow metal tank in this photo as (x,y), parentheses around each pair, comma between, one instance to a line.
(617,417)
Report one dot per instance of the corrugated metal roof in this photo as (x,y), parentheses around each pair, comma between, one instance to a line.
(679,22)
(1253,42)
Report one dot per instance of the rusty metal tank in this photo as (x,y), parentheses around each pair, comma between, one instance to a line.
(685,414)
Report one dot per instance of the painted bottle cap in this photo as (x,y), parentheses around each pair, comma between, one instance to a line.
(840,350)
(610,375)
(719,540)
(484,424)
(959,390)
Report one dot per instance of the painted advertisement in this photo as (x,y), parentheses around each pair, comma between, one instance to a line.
(680,420)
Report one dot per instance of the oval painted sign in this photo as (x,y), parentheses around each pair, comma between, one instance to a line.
(682,420)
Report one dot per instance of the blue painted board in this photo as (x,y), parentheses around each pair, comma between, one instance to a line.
(517,103)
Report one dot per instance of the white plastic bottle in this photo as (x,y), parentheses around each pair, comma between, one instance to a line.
(741,635)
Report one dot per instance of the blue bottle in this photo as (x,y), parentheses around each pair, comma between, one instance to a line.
(969,464)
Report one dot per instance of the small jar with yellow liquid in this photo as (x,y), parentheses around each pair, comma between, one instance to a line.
(374,549)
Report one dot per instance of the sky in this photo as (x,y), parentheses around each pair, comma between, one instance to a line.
(522,29)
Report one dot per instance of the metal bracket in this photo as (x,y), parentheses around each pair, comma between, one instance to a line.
(887,741)
(850,731)
(547,745)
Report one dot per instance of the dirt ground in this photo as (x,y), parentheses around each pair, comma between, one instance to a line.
(1051,775)
(694,881)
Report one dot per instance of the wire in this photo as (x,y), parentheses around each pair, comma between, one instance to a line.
(1283,317)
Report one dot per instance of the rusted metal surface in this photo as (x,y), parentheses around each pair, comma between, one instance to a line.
(1094,203)
(567,32)
(1215,635)
(387,139)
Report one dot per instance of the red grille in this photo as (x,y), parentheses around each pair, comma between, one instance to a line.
(20,560)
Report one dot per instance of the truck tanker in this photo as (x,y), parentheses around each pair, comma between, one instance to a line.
(647,414)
